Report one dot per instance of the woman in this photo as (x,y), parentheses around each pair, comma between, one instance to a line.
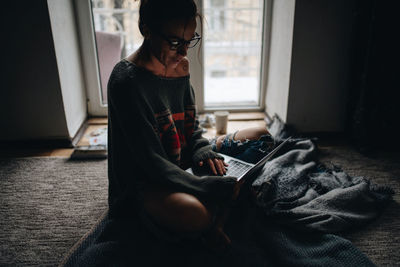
(154,135)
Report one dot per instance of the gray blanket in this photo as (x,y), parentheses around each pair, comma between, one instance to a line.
(294,189)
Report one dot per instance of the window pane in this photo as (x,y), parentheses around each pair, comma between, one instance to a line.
(117,34)
(232,52)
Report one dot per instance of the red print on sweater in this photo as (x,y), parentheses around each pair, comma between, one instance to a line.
(175,130)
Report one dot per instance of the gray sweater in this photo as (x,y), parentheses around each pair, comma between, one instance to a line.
(153,135)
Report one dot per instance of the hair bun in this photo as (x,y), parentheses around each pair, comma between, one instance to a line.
(155,13)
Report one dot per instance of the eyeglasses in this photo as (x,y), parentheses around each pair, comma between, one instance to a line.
(175,43)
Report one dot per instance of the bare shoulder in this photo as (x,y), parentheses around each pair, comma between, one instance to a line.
(183,67)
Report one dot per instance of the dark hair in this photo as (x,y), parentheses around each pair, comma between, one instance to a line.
(154,13)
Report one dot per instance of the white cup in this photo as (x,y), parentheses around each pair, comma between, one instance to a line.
(221,121)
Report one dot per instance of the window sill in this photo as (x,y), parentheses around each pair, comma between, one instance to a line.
(242,116)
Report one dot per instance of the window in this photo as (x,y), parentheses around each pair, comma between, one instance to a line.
(232,53)
(229,71)
(117,34)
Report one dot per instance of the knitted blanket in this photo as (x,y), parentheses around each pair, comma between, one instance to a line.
(294,189)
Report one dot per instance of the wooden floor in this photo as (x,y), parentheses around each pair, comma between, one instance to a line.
(237,121)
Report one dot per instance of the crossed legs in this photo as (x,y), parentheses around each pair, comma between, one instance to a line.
(185,213)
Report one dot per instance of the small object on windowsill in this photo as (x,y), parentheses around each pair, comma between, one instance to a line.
(207,121)
(90,152)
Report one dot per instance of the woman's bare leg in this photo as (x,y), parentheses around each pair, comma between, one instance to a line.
(179,212)
(184,213)
(253,133)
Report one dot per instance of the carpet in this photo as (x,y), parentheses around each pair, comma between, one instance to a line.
(380,239)
(48,204)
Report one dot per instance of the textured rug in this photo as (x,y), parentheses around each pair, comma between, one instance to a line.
(380,239)
(48,204)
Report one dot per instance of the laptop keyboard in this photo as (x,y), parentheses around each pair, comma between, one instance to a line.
(237,168)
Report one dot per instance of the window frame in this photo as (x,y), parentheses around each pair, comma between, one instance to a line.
(84,17)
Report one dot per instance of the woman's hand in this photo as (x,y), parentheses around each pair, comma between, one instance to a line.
(216,165)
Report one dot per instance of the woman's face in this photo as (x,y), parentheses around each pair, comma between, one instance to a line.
(173,30)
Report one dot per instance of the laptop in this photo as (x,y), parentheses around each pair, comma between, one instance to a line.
(239,168)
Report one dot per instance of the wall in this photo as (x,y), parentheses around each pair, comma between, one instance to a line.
(280,54)
(319,79)
(32,106)
(36,101)
(308,86)
(68,61)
